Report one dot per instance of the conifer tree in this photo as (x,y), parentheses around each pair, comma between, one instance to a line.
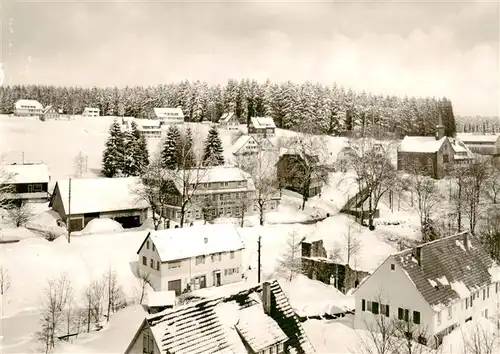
(171,147)
(213,152)
(140,150)
(188,159)
(113,155)
(130,164)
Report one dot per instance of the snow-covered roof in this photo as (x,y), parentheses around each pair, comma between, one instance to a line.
(425,144)
(46,109)
(161,298)
(27,173)
(168,112)
(461,150)
(450,268)
(141,123)
(25,103)
(226,117)
(92,195)
(187,242)
(208,325)
(262,122)
(241,142)
(91,109)
(476,138)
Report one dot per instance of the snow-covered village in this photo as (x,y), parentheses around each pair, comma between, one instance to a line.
(307,206)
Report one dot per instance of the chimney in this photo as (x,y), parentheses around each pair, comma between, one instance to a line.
(266,297)
(418,255)
(206,240)
(466,241)
(439,128)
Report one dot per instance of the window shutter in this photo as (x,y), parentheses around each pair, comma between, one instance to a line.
(387,310)
(416,317)
(400,313)
(363,305)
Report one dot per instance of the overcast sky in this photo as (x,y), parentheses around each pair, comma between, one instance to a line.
(403,48)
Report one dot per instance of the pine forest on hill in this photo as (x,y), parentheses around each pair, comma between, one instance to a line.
(306,107)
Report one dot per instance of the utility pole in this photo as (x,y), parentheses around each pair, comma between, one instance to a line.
(68,222)
(258,260)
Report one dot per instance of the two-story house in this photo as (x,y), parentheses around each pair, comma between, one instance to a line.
(436,286)
(432,156)
(462,154)
(28,108)
(256,320)
(149,128)
(262,127)
(220,191)
(91,112)
(481,144)
(169,115)
(192,257)
(28,183)
(229,121)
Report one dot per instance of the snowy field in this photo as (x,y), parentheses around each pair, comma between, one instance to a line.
(32,261)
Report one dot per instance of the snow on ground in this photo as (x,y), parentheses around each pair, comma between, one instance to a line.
(99,226)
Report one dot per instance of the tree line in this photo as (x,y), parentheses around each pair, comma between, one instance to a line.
(478,125)
(329,109)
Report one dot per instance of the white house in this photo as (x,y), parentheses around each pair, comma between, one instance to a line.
(149,128)
(250,145)
(26,183)
(262,126)
(463,156)
(252,320)
(169,115)
(437,286)
(27,108)
(229,121)
(91,112)
(481,144)
(192,257)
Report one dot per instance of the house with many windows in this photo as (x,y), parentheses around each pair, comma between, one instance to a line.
(220,191)
(192,257)
(229,121)
(436,286)
(255,320)
(28,183)
(28,108)
(91,112)
(481,144)
(169,115)
(149,128)
(262,127)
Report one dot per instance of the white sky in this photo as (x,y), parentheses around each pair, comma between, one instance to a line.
(421,48)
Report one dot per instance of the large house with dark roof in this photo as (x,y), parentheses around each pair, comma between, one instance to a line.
(436,286)
(257,320)
(262,127)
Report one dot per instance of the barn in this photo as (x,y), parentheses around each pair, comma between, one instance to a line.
(83,199)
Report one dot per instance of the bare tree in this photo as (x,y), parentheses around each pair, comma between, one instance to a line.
(245,203)
(302,164)
(480,340)
(290,264)
(353,245)
(97,289)
(476,175)
(57,296)
(152,189)
(144,279)
(490,233)
(20,215)
(6,188)
(114,292)
(375,174)
(492,184)
(411,336)
(4,280)
(80,162)
(457,195)
(87,296)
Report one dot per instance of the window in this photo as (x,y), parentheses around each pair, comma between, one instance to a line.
(144,261)
(174,265)
(484,294)
(384,310)
(439,317)
(393,266)
(232,254)
(445,158)
(471,301)
(363,305)
(147,244)
(272,350)
(488,292)
(152,263)
(157,265)
(450,312)
(200,260)
(154,247)
(281,348)
(416,317)
(407,315)
(37,187)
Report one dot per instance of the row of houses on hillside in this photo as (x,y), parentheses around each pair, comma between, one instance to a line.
(33,108)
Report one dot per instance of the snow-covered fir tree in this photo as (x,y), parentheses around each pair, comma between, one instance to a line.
(113,155)
(188,158)
(213,153)
(130,165)
(171,148)
(140,150)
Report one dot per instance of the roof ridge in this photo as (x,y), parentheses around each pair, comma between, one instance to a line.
(431,242)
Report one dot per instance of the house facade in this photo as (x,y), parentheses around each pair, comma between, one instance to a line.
(229,121)
(28,183)
(463,156)
(436,287)
(169,115)
(255,320)
(214,192)
(50,112)
(292,170)
(28,108)
(91,112)
(432,156)
(246,145)
(211,257)
(80,200)
(262,127)
(482,144)
(149,128)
